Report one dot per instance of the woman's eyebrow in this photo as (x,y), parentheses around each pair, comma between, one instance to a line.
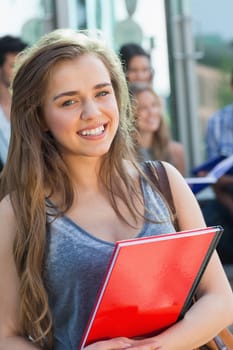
(65,93)
(101,85)
(72,93)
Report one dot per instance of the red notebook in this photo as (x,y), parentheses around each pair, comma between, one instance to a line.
(149,284)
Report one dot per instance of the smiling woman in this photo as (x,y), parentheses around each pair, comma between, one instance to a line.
(154,140)
(80,108)
(70,189)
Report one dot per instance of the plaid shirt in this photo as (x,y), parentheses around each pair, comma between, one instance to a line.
(219,136)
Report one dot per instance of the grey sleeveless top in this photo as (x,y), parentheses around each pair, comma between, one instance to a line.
(75,264)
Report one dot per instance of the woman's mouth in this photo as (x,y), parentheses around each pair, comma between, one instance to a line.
(92,132)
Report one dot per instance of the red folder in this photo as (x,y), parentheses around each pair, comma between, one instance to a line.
(149,284)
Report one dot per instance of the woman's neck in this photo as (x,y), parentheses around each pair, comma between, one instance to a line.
(84,176)
(84,172)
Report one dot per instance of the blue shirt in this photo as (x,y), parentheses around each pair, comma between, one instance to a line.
(219,136)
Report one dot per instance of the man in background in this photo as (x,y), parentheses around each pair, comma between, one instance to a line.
(219,142)
(9,48)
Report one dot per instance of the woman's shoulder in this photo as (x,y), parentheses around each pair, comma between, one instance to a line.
(7,219)
(187,208)
(6,206)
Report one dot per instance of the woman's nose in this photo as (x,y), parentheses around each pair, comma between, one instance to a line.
(90,110)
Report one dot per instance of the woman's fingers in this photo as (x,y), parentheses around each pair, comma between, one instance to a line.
(111,344)
(125,343)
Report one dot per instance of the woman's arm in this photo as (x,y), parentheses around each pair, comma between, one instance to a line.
(9,284)
(214,309)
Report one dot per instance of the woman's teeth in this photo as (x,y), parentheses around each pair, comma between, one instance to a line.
(96,131)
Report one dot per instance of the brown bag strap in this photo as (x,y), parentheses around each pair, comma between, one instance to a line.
(157,174)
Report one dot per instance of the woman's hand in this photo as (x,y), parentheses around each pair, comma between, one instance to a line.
(115,343)
(125,343)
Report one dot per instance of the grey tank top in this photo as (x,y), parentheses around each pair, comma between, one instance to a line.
(75,264)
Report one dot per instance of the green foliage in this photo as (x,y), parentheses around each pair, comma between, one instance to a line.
(216,51)
(219,54)
(224,92)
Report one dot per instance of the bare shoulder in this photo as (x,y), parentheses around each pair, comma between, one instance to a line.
(7,221)
(175,178)
(6,209)
(187,208)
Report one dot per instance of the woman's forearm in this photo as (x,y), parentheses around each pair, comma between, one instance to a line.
(204,320)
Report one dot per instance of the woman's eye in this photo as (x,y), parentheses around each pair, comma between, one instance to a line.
(103,93)
(68,103)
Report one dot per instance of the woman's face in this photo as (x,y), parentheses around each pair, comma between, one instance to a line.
(80,108)
(139,70)
(6,70)
(148,111)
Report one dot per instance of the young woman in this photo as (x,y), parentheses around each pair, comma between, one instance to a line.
(153,137)
(70,189)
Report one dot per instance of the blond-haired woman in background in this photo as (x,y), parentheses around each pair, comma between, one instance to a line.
(154,141)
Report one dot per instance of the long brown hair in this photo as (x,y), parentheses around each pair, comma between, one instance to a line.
(35,166)
(161,137)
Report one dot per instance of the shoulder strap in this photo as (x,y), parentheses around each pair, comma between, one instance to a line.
(157,174)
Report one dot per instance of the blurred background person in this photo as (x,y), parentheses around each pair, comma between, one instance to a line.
(9,48)
(136,63)
(154,141)
(219,142)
